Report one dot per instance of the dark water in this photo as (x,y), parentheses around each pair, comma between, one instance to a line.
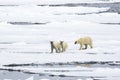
(15,75)
(24,75)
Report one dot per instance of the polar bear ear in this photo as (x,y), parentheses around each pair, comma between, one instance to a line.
(75,42)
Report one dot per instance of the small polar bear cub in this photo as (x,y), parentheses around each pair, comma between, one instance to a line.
(64,46)
(55,45)
(84,41)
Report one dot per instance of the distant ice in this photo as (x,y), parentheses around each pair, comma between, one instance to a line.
(23,2)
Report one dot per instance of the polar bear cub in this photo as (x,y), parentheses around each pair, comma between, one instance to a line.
(55,45)
(64,46)
(84,41)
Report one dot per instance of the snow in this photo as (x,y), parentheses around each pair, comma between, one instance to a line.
(46,14)
(78,71)
(25,44)
(31,78)
(44,79)
(49,58)
(52,14)
(102,18)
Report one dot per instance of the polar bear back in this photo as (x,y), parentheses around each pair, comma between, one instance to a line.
(57,45)
(85,40)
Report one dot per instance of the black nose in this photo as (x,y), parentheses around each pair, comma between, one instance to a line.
(75,42)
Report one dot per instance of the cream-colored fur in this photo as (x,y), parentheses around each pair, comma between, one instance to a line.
(84,41)
(56,46)
(64,46)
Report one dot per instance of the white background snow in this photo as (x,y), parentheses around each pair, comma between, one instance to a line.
(22,44)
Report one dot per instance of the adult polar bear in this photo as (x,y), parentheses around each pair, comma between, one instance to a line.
(84,41)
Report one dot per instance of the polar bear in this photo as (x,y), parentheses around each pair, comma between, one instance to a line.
(84,41)
(64,45)
(56,46)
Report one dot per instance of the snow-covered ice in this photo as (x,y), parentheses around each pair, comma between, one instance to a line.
(26,43)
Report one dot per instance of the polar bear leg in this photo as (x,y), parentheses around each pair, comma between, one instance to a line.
(59,50)
(85,46)
(51,49)
(56,50)
(55,46)
(81,47)
(90,45)
(64,49)
(52,46)
(63,45)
